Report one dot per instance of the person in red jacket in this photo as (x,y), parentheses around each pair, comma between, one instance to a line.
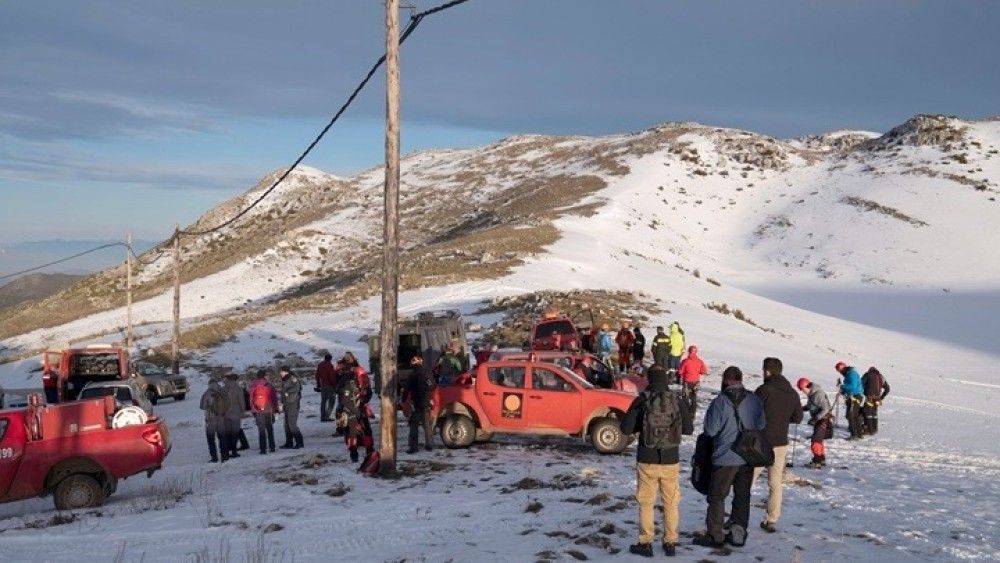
(690,372)
(625,340)
(326,384)
(263,405)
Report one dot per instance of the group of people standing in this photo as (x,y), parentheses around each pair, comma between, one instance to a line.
(667,348)
(737,421)
(225,403)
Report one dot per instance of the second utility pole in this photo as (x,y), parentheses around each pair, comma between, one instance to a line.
(390,241)
(128,294)
(175,341)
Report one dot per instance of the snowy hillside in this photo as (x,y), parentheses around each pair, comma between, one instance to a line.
(682,215)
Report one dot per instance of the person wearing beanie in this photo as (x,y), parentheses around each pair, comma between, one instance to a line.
(729,471)
(659,416)
(820,418)
(781,408)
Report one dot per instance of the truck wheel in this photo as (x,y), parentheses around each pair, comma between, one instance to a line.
(458,431)
(607,437)
(78,491)
(151,395)
(180,397)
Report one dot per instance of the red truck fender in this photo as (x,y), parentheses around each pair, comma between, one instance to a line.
(74,465)
(603,412)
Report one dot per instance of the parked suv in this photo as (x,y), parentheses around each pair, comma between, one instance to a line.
(126,393)
(157,383)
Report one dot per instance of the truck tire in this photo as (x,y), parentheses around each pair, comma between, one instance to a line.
(458,431)
(607,436)
(151,395)
(180,397)
(78,491)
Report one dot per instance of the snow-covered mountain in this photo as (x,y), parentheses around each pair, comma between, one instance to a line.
(848,207)
(682,216)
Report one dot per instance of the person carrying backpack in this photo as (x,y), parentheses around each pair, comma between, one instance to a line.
(820,418)
(661,348)
(781,408)
(420,396)
(733,414)
(876,388)
(263,405)
(448,366)
(235,398)
(291,399)
(660,416)
(357,430)
(213,402)
(854,399)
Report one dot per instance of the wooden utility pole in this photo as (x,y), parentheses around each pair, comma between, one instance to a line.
(390,236)
(128,292)
(175,343)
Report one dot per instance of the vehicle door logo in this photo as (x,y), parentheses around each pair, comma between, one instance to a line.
(512,403)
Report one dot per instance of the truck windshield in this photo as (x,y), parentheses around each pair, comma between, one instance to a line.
(554,327)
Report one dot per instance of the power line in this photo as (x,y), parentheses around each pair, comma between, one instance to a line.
(410,28)
(61,260)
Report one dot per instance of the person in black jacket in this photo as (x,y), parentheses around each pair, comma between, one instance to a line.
(876,388)
(420,395)
(658,462)
(781,408)
(638,348)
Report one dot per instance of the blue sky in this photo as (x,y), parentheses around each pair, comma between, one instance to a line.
(118,116)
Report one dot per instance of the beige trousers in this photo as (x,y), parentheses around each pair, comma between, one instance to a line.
(775,476)
(665,479)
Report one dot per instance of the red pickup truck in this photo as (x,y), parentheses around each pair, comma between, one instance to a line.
(529,397)
(72,452)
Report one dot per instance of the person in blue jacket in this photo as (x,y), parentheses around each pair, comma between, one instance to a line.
(730,471)
(854,399)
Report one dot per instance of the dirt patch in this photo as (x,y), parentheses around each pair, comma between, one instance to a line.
(294,479)
(534,507)
(338,490)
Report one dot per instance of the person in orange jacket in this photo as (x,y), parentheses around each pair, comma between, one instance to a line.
(690,372)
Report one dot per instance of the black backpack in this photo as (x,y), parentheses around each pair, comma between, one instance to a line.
(752,445)
(219,403)
(701,464)
(661,422)
(873,383)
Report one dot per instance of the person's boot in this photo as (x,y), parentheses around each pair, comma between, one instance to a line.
(706,540)
(412,449)
(214,460)
(816,463)
(737,536)
(768,527)
(286,446)
(428,447)
(643,549)
(354,455)
(669,549)
(299,442)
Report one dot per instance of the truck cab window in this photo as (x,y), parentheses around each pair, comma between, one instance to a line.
(548,380)
(507,376)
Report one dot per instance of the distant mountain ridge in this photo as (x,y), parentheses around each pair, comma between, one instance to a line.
(34,286)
